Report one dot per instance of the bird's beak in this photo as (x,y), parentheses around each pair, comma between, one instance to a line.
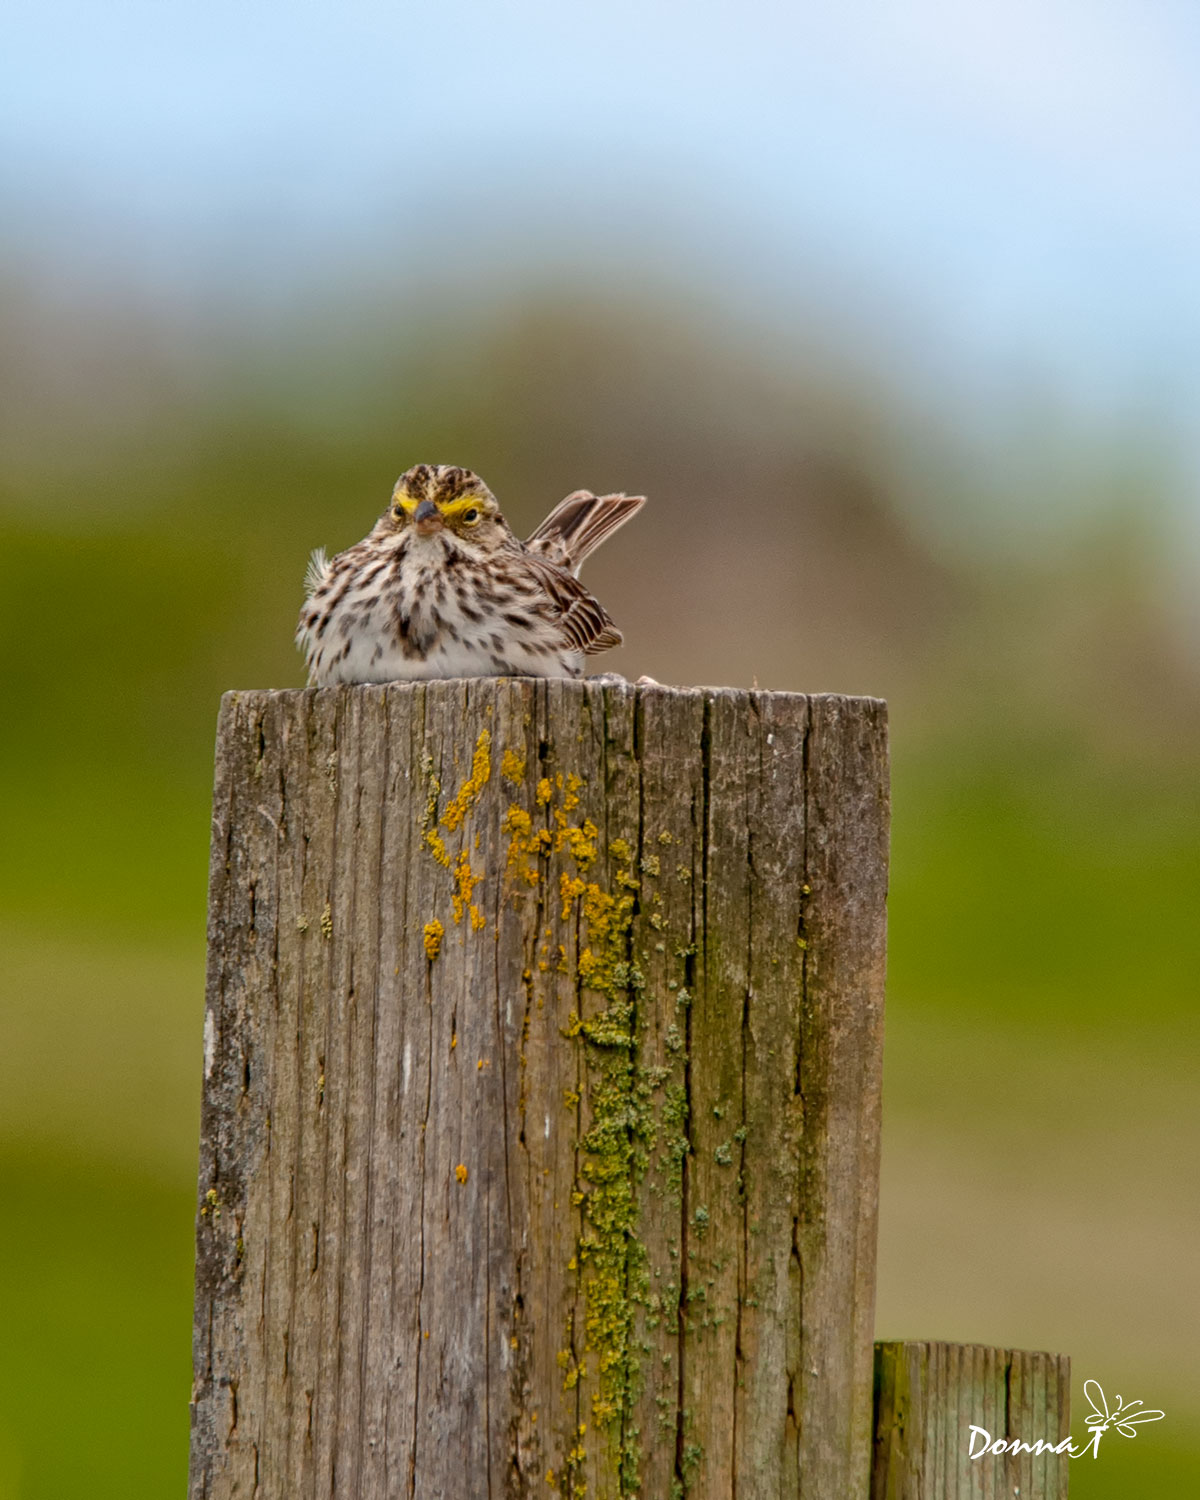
(427,518)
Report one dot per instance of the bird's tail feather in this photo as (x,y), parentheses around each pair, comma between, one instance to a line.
(577,525)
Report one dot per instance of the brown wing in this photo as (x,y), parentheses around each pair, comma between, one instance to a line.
(583,619)
(578,524)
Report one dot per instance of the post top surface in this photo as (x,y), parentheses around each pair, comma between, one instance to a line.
(584,686)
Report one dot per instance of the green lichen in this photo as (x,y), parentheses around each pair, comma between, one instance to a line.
(636,1114)
(613,1158)
(675,1143)
(433,790)
(616,1150)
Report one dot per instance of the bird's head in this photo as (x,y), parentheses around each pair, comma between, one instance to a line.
(435,498)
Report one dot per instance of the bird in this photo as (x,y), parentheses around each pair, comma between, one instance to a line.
(441,587)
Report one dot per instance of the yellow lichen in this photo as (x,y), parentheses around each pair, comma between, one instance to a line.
(434,933)
(579,842)
(461,1172)
(465,881)
(544,792)
(467,795)
(570,889)
(432,837)
(524,845)
(517,821)
(436,844)
(512,767)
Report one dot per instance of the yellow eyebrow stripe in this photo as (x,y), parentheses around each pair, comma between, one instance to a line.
(453,509)
(450,510)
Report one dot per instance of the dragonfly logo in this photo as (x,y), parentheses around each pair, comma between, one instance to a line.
(1124,1417)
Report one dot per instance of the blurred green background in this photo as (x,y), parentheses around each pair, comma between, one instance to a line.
(200,383)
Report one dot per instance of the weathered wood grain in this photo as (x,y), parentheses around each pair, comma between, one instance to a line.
(927,1397)
(541,1109)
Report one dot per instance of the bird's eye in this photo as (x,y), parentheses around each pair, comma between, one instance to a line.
(470,518)
(397,512)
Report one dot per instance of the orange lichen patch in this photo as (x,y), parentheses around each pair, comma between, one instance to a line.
(579,842)
(544,792)
(438,848)
(518,821)
(524,845)
(467,795)
(512,767)
(465,881)
(461,1172)
(571,791)
(434,933)
(570,888)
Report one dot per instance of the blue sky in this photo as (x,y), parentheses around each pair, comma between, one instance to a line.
(1012,182)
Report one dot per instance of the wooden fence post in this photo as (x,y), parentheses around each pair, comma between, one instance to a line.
(928,1396)
(541,1107)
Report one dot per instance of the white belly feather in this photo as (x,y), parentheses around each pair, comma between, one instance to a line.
(361,641)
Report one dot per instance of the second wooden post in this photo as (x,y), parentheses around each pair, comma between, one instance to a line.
(541,1112)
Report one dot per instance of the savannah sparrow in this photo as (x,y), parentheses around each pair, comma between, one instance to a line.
(442,588)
